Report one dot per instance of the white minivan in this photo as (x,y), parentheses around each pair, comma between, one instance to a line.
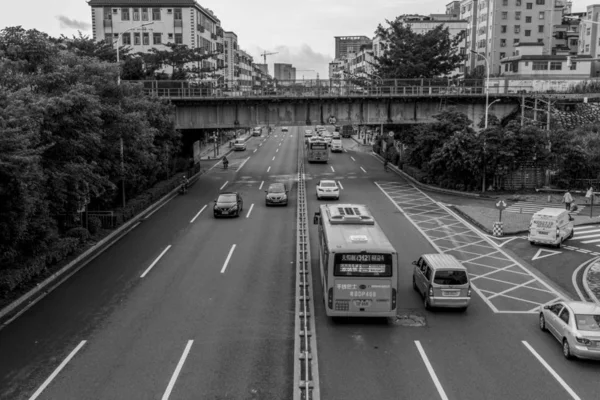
(550,226)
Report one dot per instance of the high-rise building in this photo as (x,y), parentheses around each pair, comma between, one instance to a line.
(166,21)
(284,72)
(232,61)
(589,33)
(496,27)
(349,44)
(245,64)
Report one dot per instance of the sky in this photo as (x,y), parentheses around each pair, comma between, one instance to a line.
(301,32)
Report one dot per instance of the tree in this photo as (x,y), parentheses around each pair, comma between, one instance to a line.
(185,62)
(410,55)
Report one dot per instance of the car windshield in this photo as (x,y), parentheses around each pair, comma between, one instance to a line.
(328,184)
(276,189)
(226,198)
(588,322)
(450,278)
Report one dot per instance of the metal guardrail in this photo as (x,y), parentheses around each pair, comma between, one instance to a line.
(306,369)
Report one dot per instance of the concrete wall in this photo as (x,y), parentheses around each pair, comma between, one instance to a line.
(284,112)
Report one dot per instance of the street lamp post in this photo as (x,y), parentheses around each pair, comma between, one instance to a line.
(116,44)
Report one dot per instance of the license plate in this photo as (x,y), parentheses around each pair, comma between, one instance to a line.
(362,303)
(225,212)
(451,294)
(542,233)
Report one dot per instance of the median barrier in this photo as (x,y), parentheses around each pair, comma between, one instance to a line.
(20,305)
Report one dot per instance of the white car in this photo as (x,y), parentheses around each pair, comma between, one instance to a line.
(328,189)
(336,145)
(576,325)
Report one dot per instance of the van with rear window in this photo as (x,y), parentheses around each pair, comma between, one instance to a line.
(442,281)
(550,226)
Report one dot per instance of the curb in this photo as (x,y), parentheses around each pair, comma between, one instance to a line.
(586,285)
(31,297)
(429,187)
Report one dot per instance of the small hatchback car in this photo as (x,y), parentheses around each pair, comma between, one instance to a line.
(228,204)
(576,326)
(276,195)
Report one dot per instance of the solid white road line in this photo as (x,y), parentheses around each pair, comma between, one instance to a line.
(574,277)
(197,215)
(228,258)
(260,145)
(552,372)
(434,377)
(242,164)
(57,370)
(225,184)
(255,150)
(352,158)
(268,169)
(340,184)
(186,351)
(262,183)
(273,158)
(155,261)
(332,170)
(363,170)
(250,210)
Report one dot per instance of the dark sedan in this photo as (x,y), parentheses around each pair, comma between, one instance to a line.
(228,204)
(276,195)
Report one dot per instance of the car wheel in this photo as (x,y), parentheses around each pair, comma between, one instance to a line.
(531,243)
(566,349)
(318,198)
(215,215)
(571,234)
(426,303)
(463,309)
(415,285)
(542,322)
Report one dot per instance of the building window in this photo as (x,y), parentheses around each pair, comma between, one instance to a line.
(108,38)
(518,15)
(502,42)
(573,42)
(107,13)
(504,14)
(146,38)
(540,65)
(540,28)
(144,14)
(517,28)
(540,2)
(529,6)
(124,14)
(503,29)
(588,31)
(505,3)
(527,19)
(127,38)
(555,65)
(178,14)
(542,15)
(136,14)
(156,14)
(573,65)
(587,48)
(136,39)
(518,3)
(515,41)
(540,40)
(527,32)
(178,38)
(502,55)
(170,36)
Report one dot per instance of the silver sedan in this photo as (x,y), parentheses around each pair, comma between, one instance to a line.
(576,325)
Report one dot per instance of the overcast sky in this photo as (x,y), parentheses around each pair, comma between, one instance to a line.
(300,31)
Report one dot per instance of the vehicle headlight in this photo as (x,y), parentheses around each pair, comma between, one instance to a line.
(584,341)
(234,207)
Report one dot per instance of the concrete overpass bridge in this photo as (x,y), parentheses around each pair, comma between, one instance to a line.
(208,108)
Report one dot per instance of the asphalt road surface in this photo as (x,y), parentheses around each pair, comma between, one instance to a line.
(476,355)
(189,307)
(194,327)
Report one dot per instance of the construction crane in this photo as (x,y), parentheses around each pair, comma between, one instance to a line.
(265,54)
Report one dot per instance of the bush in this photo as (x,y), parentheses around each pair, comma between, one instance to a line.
(94,225)
(61,249)
(12,278)
(80,233)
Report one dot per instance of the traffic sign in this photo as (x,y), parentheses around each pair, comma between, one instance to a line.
(332,120)
(501,205)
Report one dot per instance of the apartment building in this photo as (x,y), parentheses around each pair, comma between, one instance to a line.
(284,72)
(589,37)
(165,21)
(246,70)
(231,58)
(495,28)
(349,44)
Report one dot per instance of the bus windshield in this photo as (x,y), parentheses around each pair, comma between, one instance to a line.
(363,265)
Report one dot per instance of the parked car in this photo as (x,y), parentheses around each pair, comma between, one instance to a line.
(576,326)
(239,145)
(336,145)
(228,204)
(284,129)
(277,194)
(328,189)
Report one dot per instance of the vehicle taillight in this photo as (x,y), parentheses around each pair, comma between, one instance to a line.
(469,291)
(330,298)
(557,232)
(430,291)
(393,299)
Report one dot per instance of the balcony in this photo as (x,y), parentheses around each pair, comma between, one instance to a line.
(213,36)
(201,28)
(108,23)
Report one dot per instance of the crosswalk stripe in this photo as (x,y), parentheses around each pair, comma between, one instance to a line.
(588,236)
(587,228)
(591,241)
(527,207)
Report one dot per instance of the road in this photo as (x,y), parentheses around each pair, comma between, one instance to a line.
(189,307)
(192,327)
(479,354)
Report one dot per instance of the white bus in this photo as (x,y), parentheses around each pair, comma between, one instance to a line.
(317,150)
